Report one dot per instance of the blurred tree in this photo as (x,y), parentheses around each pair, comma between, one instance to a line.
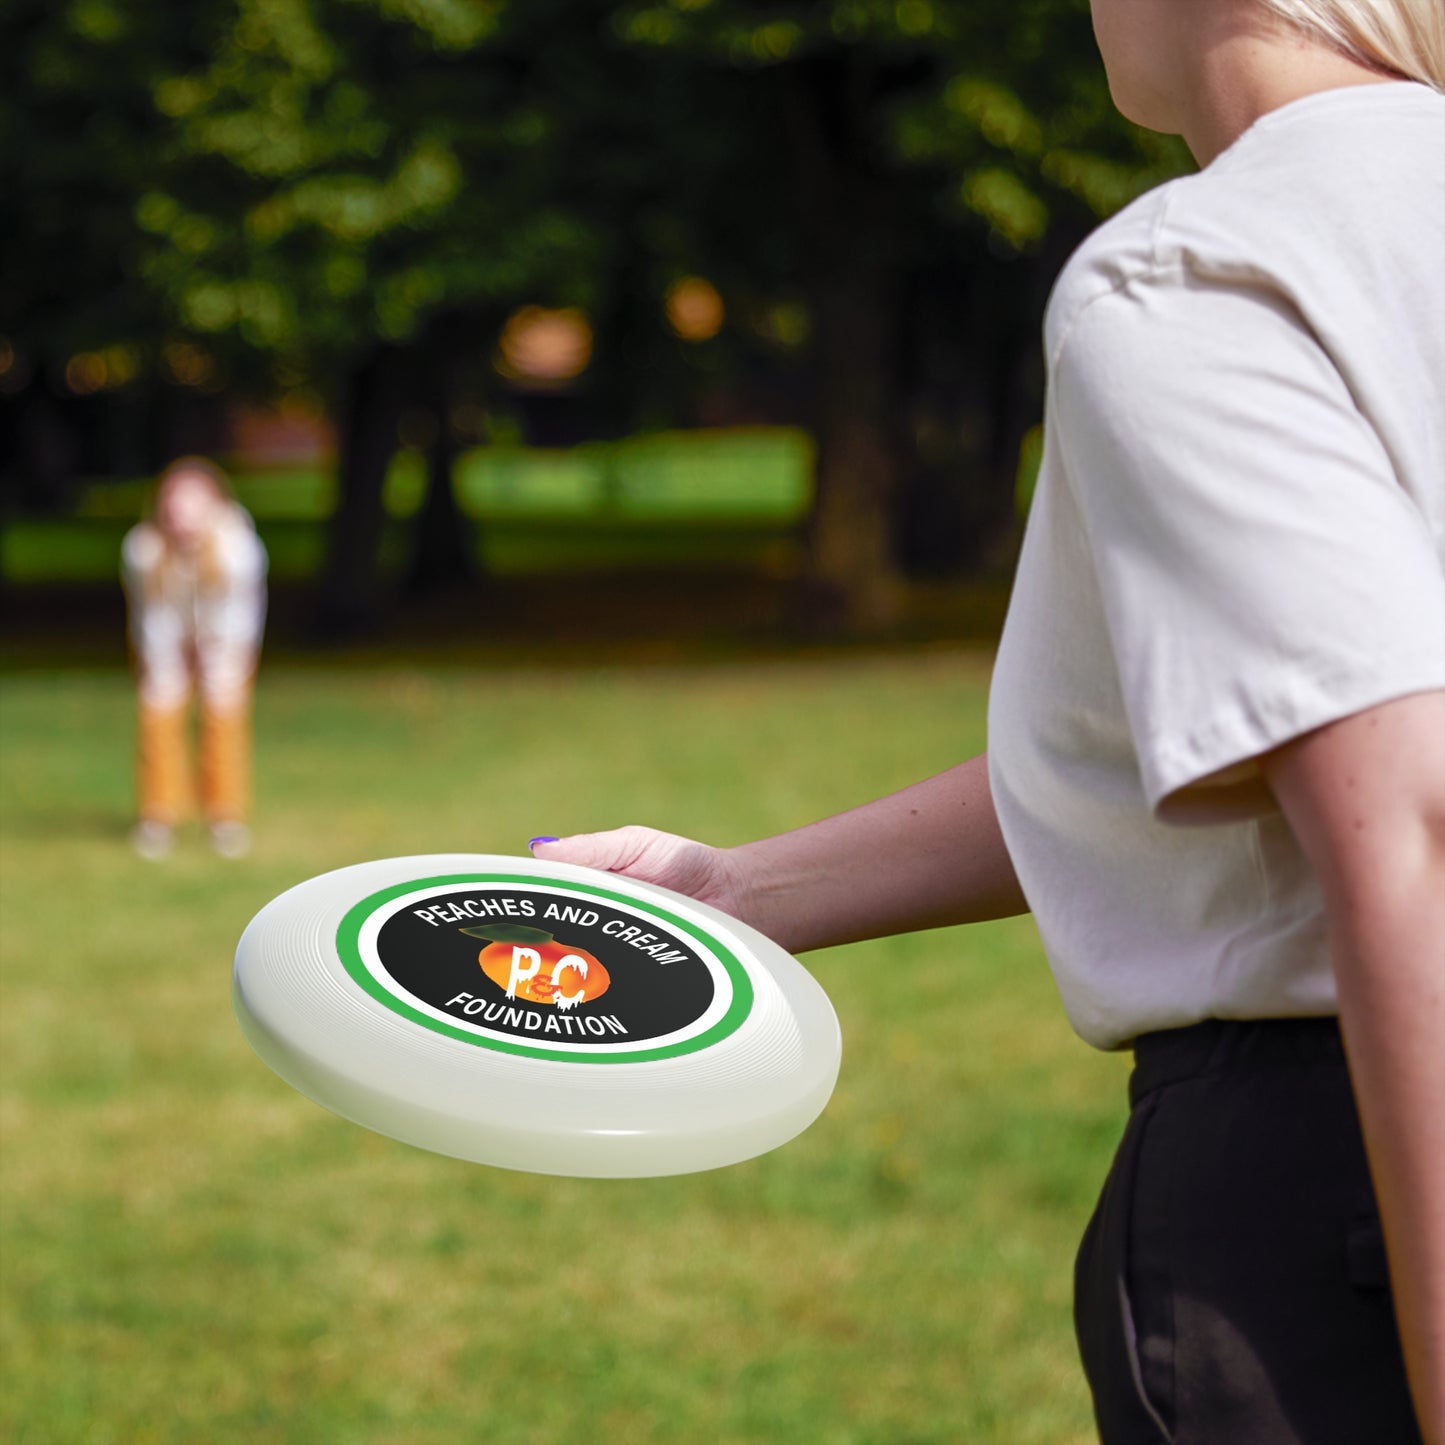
(363,190)
(926,166)
(366,188)
(351,196)
(79,139)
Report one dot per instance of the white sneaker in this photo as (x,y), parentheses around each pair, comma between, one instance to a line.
(231,839)
(152,840)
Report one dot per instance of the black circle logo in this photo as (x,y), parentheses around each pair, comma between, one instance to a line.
(549,968)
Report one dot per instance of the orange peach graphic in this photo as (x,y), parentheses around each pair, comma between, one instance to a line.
(528,963)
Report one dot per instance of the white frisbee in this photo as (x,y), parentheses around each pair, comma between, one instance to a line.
(536,1016)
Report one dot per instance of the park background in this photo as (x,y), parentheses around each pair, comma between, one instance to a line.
(639,402)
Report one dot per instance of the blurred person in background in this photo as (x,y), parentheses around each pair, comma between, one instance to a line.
(195,583)
(1216,766)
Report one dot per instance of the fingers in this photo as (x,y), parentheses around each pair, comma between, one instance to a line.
(614,851)
(651,857)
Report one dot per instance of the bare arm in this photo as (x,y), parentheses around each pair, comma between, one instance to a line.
(1366,799)
(929,856)
(926,857)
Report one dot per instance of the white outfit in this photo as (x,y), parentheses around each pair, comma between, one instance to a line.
(185,623)
(1238,536)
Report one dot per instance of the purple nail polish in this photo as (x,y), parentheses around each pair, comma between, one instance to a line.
(532,843)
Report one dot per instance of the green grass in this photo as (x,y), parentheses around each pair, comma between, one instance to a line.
(193,1252)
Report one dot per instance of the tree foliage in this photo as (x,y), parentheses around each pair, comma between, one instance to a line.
(353,194)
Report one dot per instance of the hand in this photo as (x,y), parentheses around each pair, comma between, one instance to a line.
(711,875)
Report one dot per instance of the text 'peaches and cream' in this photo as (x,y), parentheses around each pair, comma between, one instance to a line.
(480,908)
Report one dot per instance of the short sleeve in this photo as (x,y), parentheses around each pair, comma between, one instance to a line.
(140,554)
(240,551)
(1262,569)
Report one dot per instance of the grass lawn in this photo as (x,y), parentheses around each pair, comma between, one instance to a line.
(193,1252)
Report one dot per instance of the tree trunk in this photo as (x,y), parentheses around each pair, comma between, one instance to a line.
(852,565)
(850,265)
(47,450)
(442,559)
(349,599)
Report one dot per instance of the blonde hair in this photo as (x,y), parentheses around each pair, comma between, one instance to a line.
(193,466)
(211,573)
(1404,37)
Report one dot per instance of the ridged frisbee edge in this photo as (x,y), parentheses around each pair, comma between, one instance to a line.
(640,1143)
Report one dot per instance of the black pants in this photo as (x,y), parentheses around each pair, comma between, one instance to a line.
(1231,1288)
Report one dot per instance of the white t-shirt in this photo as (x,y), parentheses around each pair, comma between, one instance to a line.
(196,619)
(1238,536)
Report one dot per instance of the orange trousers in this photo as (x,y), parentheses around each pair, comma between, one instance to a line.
(163,762)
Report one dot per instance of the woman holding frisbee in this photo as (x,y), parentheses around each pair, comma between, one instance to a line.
(1216,771)
(195,582)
